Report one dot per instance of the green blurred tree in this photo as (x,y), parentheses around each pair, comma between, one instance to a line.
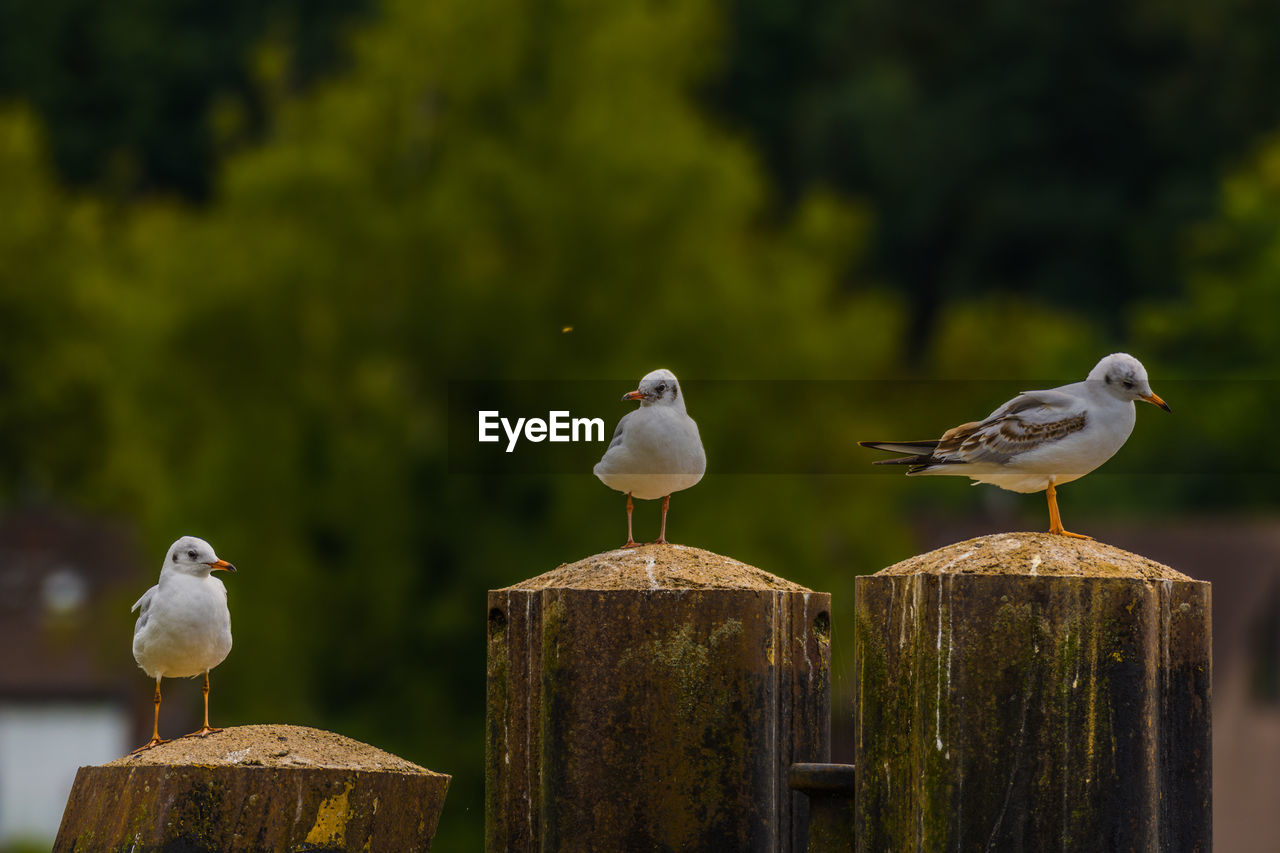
(54,401)
(145,96)
(1054,151)
(1222,342)
(274,371)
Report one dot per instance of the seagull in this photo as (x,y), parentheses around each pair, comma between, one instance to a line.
(655,450)
(184,627)
(1039,439)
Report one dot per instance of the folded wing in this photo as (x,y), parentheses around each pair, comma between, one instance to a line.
(143,606)
(1028,421)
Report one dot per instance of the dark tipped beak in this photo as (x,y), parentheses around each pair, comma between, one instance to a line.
(633,395)
(1154,400)
(221,565)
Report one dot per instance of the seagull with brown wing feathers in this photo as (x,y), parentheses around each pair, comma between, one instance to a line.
(1040,439)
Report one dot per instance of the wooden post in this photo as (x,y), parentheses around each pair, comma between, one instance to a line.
(254,788)
(653,699)
(1032,692)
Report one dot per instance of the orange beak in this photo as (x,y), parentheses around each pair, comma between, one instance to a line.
(633,395)
(221,565)
(1154,400)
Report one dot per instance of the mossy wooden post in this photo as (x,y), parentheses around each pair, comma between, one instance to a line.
(1032,692)
(254,788)
(653,699)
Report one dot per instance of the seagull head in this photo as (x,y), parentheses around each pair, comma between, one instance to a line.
(192,556)
(1123,376)
(659,388)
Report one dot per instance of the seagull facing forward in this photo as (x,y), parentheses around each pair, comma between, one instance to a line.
(656,450)
(1039,439)
(184,627)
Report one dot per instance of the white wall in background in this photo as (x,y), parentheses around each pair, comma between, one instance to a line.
(42,744)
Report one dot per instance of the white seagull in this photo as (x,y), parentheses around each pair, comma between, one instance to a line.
(1039,439)
(184,627)
(655,450)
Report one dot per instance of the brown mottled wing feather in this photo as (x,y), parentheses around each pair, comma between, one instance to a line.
(999,441)
(1025,422)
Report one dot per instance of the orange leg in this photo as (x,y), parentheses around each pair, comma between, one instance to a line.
(631,542)
(1055,520)
(156,740)
(662,533)
(207,728)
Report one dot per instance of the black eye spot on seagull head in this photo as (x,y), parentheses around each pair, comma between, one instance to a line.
(1124,379)
(191,555)
(175,556)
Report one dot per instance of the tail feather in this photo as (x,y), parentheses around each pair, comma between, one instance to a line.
(917,454)
(911,448)
(918,459)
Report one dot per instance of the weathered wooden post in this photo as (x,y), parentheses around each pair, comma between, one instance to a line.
(653,699)
(1032,692)
(254,788)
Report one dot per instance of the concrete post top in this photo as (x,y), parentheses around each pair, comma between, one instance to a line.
(652,567)
(272,746)
(1035,554)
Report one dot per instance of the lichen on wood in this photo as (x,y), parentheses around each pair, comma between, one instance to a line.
(254,788)
(1051,703)
(653,699)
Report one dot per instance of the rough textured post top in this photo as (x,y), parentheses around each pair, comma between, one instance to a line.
(1034,554)
(254,788)
(658,567)
(272,746)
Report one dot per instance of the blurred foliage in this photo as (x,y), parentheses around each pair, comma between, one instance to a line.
(1227,324)
(1049,150)
(144,96)
(273,370)
(36,846)
(54,388)
(1223,339)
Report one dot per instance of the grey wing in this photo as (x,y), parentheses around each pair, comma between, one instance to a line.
(615,449)
(617,433)
(1028,421)
(143,606)
(1030,400)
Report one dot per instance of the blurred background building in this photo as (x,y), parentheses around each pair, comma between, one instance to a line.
(66,698)
(256,259)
